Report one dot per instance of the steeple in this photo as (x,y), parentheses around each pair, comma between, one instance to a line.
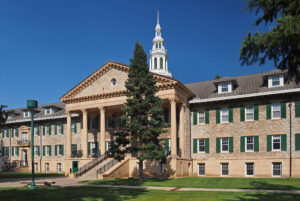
(158,55)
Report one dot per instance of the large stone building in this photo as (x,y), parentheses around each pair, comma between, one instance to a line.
(235,126)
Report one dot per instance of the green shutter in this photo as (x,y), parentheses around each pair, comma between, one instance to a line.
(7,133)
(178,144)
(195,146)
(256,143)
(75,127)
(256,112)
(242,113)
(217,115)
(269,143)
(49,150)
(44,150)
(268,111)
(195,117)
(38,130)
(206,145)
(38,150)
(297,108)
(218,144)
(297,141)
(166,145)
(17,151)
(55,147)
(231,144)
(43,130)
(242,143)
(17,132)
(12,151)
(12,132)
(283,142)
(55,129)
(283,110)
(62,150)
(50,129)
(207,116)
(62,129)
(89,148)
(230,114)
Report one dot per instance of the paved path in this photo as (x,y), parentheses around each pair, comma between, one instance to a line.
(69,182)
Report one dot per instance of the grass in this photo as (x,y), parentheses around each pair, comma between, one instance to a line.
(210,182)
(118,194)
(28,174)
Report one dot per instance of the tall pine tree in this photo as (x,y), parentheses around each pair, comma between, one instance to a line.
(142,117)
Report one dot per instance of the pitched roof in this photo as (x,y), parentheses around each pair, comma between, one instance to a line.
(246,84)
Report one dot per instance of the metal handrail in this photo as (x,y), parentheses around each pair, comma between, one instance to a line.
(83,169)
(107,166)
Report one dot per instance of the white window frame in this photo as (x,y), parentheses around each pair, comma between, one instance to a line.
(273,169)
(47,150)
(47,129)
(60,128)
(108,146)
(15,151)
(48,111)
(35,130)
(199,169)
(221,144)
(222,85)
(14,132)
(24,137)
(279,137)
(59,147)
(36,167)
(272,110)
(222,169)
(198,116)
(198,149)
(26,113)
(92,148)
(247,108)
(36,153)
(270,81)
(47,167)
(246,143)
(58,167)
(73,128)
(170,145)
(224,110)
(246,172)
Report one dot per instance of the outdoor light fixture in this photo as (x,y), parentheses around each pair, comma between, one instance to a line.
(31,105)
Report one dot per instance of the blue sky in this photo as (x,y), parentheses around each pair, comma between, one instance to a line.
(49,46)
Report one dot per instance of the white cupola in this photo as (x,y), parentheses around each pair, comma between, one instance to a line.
(158,55)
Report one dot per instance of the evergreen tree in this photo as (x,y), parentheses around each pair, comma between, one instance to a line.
(3,115)
(142,117)
(282,43)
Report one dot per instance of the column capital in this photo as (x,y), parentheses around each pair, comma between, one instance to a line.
(84,111)
(101,108)
(172,100)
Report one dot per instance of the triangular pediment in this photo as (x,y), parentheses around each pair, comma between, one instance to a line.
(101,82)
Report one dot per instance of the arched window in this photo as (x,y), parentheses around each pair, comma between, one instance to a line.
(155,63)
(161,63)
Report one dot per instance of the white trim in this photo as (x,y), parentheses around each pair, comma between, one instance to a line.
(198,115)
(221,116)
(198,150)
(221,164)
(222,151)
(273,143)
(42,118)
(280,169)
(246,169)
(246,144)
(272,110)
(201,175)
(198,100)
(252,106)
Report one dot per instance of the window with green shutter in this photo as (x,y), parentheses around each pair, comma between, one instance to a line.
(55,150)
(256,112)
(206,145)
(44,150)
(218,141)
(49,130)
(268,111)
(55,129)
(195,120)
(44,130)
(297,108)
(62,129)
(283,110)
(217,115)
(242,143)
(206,116)
(195,146)
(283,142)
(269,143)
(242,113)
(7,133)
(297,141)
(256,143)
(231,144)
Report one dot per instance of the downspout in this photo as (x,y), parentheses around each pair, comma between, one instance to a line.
(290,106)
(41,147)
(9,152)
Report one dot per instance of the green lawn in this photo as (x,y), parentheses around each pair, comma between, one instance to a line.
(28,175)
(116,194)
(211,182)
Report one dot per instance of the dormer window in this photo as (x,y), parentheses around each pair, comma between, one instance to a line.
(275,81)
(224,87)
(48,111)
(26,113)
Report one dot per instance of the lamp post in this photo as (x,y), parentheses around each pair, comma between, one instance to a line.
(32,104)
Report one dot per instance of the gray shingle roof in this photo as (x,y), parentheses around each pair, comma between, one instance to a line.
(40,113)
(246,84)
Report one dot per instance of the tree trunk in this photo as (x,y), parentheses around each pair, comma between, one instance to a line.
(141,171)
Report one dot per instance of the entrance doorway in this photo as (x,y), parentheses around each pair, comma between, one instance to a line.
(25,162)
(75,166)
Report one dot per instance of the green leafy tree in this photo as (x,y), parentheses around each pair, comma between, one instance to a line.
(3,115)
(217,77)
(143,120)
(282,43)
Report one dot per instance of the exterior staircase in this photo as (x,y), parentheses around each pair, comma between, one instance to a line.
(92,174)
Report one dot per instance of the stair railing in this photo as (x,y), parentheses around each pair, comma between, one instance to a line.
(83,169)
(107,166)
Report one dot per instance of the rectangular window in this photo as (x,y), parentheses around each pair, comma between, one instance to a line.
(47,168)
(26,114)
(24,138)
(47,149)
(201,117)
(36,131)
(35,167)
(60,129)
(249,143)
(93,148)
(224,87)
(224,169)
(225,144)
(108,146)
(276,111)
(275,81)
(73,128)
(48,111)
(249,169)
(59,167)
(36,151)
(15,132)
(47,129)
(201,169)
(224,115)
(276,169)
(201,145)
(249,113)
(276,142)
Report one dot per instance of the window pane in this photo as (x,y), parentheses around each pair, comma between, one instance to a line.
(276,142)
(201,145)
(249,169)
(201,117)
(225,144)
(201,169)
(225,170)
(276,110)
(276,169)
(250,143)
(275,81)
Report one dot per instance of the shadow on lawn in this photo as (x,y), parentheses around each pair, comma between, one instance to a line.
(130,181)
(267,197)
(268,186)
(70,193)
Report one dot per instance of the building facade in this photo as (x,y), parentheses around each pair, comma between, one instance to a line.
(246,126)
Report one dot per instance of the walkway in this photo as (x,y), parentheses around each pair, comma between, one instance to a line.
(69,182)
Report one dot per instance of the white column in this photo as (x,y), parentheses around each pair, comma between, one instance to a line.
(173,128)
(69,135)
(181,131)
(102,134)
(84,137)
